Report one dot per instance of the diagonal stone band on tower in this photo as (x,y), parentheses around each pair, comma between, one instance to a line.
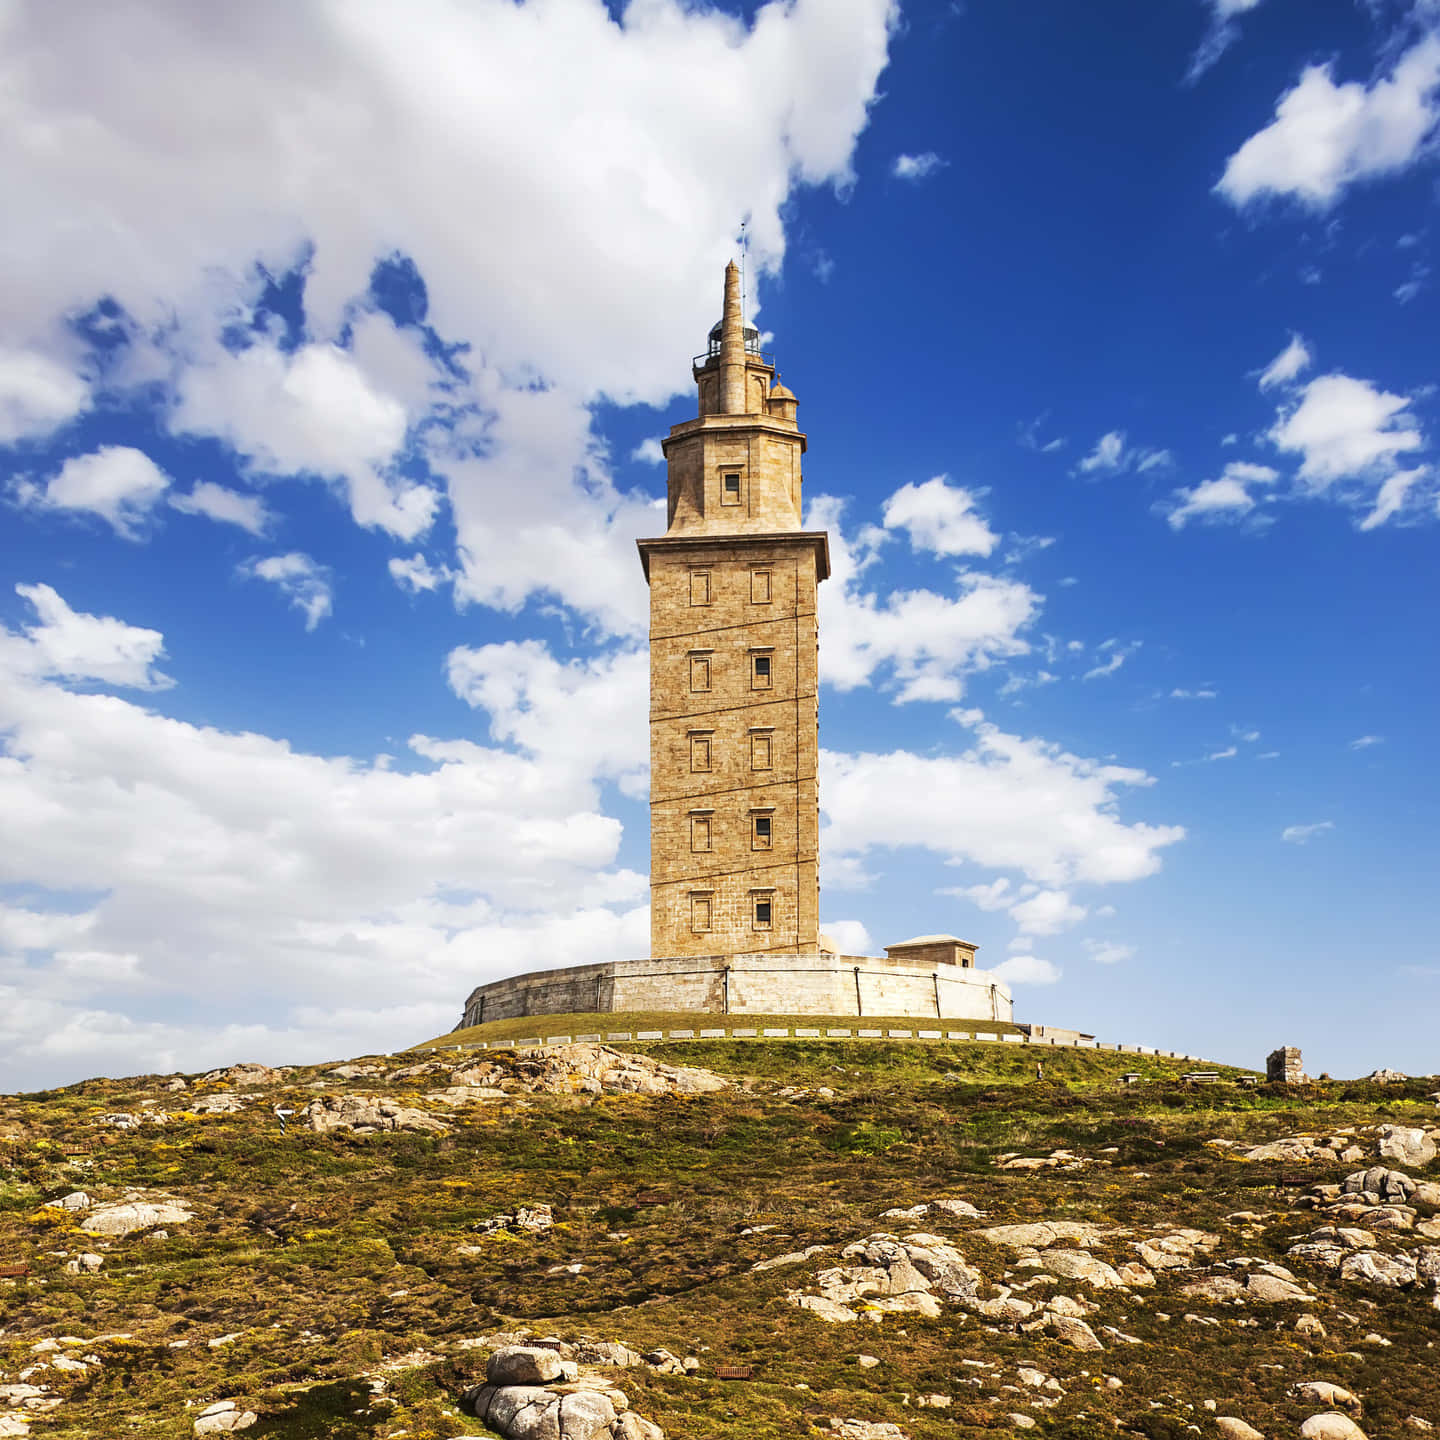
(734,805)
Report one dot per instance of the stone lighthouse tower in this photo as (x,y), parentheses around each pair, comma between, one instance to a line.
(734,812)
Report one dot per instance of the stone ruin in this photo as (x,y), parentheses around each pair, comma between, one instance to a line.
(1284,1065)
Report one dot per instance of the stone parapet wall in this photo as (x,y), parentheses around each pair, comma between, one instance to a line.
(759,984)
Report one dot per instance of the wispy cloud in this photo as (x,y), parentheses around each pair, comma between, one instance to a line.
(1107,952)
(917,167)
(300,579)
(1115,654)
(1289,363)
(1366,741)
(1179,694)
(1028,433)
(1300,834)
(1112,456)
(1222,33)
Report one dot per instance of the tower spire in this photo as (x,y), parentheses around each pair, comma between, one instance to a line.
(732,346)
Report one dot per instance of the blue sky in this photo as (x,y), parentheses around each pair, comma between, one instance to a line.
(336,345)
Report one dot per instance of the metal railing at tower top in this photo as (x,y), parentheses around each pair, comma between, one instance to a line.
(701,361)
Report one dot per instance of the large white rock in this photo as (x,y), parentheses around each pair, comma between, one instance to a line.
(523,1365)
(586,1416)
(1331,1426)
(1073,1332)
(1374,1267)
(1271,1290)
(224,1418)
(1079,1265)
(1044,1233)
(1326,1392)
(135,1213)
(364,1114)
(1292,1149)
(1406,1146)
(1232,1429)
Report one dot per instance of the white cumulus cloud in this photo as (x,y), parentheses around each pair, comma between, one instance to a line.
(37,395)
(1343,428)
(260,882)
(117,482)
(1006,803)
(417,574)
(661,126)
(1047,912)
(919,643)
(850,936)
(1228,497)
(68,645)
(940,518)
(1326,137)
(1026,969)
(533,701)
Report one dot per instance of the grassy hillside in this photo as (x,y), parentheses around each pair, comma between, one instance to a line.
(632,1021)
(347,1276)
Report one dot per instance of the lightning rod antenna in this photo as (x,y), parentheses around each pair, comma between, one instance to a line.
(744,256)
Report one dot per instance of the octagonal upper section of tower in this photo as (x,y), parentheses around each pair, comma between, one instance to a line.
(742,409)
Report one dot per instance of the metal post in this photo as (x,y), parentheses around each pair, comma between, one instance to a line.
(859,1004)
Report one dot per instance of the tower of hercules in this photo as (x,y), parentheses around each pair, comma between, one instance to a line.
(734,811)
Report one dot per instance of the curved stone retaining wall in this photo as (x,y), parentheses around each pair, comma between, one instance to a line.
(760,984)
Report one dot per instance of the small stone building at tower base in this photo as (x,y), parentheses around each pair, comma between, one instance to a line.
(758,984)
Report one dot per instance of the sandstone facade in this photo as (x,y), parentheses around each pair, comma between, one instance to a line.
(757,984)
(734,828)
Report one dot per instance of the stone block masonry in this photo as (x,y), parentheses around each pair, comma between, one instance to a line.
(756,984)
(734,807)
(1284,1066)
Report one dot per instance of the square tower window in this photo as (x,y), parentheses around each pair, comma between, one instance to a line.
(760,670)
(760,750)
(700,749)
(730,488)
(760,586)
(761,830)
(699,587)
(699,672)
(763,905)
(700,911)
(700,840)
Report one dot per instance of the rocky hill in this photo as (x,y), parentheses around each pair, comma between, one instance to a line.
(865,1240)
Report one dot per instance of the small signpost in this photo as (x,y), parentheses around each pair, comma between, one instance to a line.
(282,1112)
